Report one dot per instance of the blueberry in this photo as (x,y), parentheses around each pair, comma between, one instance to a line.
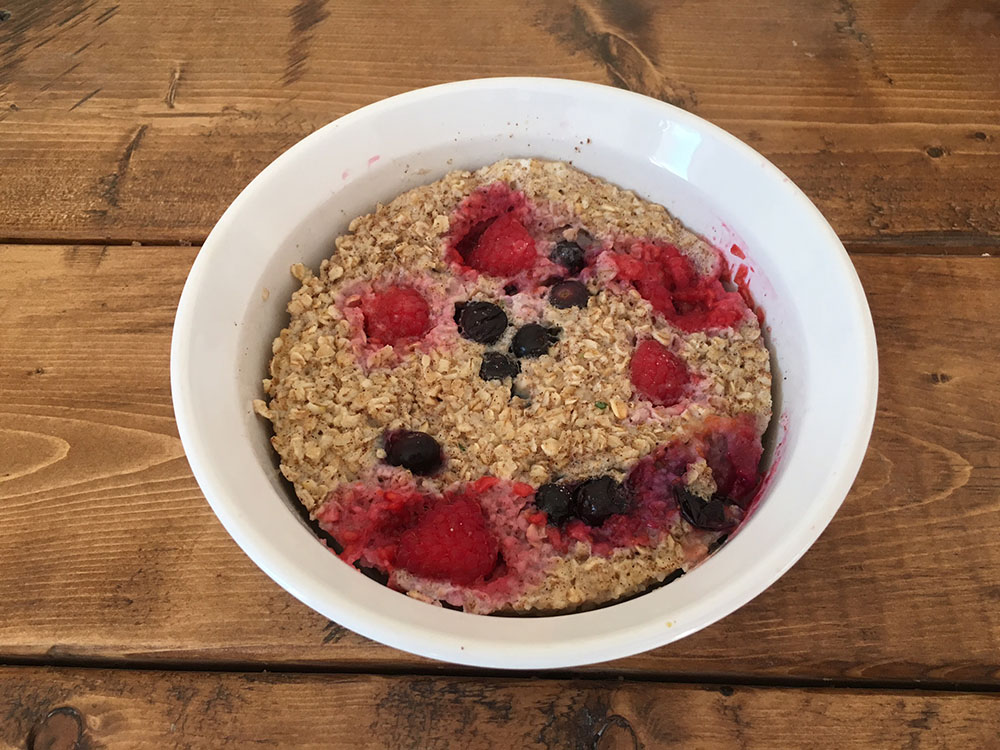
(569,255)
(533,340)
(483,322)
(705,514)
(497,366)
(416,451)
(598,498)
(556,500)
(569,294)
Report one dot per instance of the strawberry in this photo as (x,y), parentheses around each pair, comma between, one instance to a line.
(658,374)
(449,542)
(395,314)
(505,248)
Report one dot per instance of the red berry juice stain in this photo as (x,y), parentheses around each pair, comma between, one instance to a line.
(741,280)
(776,457)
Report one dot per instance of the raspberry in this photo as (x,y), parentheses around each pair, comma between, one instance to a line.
(669,281)
(658,374)
(450,542)
(476,213)
(395,314)
(485,483)
(365,520)
(522,489)
(504,249)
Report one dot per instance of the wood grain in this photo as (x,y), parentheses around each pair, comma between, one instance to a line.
(49,708)
(884,112)
(110,552)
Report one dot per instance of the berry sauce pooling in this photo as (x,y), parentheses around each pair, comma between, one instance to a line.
(533,340)
(482,322)
(569,294)
(497,366)
(416,451)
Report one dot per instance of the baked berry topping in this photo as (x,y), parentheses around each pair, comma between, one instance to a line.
(597,499)
(569,294)
(482,322)
(569,255)
(497,366)
(394,315)
(734,455)
(555,500)
(717,514)
(658,374)
(450,542)
(416,451)
(505,248)
(441,514)
(533,340)
(669,281)
(476,212)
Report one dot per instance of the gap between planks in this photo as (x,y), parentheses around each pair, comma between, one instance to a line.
(446,670)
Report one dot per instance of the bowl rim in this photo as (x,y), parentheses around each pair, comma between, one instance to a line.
(481,651)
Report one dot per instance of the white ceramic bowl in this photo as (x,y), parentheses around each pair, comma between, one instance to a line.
(820,330)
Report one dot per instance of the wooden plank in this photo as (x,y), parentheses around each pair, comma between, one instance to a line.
(110,552)
(55,708)
(884,112)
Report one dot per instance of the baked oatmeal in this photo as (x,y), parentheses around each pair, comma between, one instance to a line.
(520,390)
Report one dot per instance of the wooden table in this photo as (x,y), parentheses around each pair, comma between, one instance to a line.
(129,617)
